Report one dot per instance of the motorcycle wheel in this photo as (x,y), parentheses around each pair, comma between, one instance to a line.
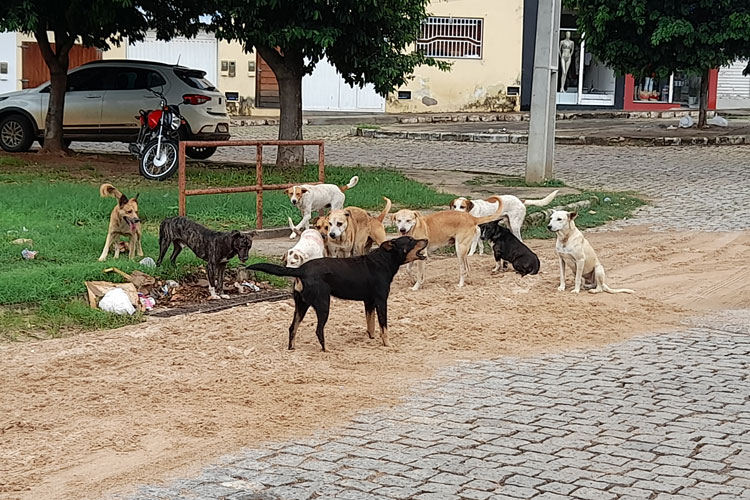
(146,164)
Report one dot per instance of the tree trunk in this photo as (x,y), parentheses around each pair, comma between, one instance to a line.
(703,99)
(288,71)
(57,62)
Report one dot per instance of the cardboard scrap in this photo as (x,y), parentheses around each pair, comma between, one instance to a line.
(142,281)
(97,289)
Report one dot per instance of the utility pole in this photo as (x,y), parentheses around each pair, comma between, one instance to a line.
(541,148)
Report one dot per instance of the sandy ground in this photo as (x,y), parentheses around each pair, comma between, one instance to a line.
(95,414)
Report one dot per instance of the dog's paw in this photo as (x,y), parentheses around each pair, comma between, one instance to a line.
(102,259)
(214,297)
(561,288)
(575,290)
(292,236)
(224,296)
(415,287)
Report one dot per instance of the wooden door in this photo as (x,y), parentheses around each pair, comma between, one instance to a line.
(34,70)
(266,85)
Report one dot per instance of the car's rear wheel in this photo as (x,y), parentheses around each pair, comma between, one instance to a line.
(16,134)
(199,153)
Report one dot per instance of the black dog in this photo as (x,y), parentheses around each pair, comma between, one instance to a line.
(366,278)
(507,247)
(215,247)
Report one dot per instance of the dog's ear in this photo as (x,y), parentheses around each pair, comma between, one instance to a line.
(469,205)
(283,258)
(236,234)
(135,198)
(348,213)
(453,203)
(289,191)
(572,215)
(123,200)
(387,245)
(315,220)
(417,214)
(303,190)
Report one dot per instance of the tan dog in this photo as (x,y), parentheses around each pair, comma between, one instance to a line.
(574,250)
(352,231)
(123,221)
(441,229)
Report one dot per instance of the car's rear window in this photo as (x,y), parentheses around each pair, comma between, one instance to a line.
(194,78)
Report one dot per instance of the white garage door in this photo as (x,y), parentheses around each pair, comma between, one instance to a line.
(197,53)
(733,88)
(325,90)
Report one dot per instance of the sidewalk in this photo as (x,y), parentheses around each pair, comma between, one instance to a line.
(593,131)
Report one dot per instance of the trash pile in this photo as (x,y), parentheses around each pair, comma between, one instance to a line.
(142,292)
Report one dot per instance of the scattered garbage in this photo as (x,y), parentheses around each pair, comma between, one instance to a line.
(147,301)
(142,281)
(98,289)
(148,262)
(117,301)
(28,254)
(252,286)
(22,241)
(172,284)
(686,121)
(718,121)
(607,199)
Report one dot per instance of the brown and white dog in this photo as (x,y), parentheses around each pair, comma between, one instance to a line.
(441,229)
(123,221)
(311,198)
(310,246)
(575,250)
(352,231)
(513,211)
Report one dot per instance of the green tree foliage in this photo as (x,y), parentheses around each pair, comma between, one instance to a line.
(369,41)
(657,36)
(94,23)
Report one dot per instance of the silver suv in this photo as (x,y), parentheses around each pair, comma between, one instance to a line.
(102,102)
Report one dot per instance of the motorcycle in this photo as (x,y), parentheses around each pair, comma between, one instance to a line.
(158,140)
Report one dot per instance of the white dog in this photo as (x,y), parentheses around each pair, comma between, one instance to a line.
(309,247)
(574,250)
(315,197)
(514,212)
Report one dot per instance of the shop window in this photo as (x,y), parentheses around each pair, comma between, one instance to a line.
(582,79)
(451,37)
(679,87)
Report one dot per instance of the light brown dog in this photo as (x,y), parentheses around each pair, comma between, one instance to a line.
(441,229)
(352,231)
(123,221)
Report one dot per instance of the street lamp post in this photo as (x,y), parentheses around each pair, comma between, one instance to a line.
(541,147)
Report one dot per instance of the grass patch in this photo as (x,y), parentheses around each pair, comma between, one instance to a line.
(512,181)
(67,221)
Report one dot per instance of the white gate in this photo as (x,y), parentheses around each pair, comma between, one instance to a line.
(733,88)
(200,52)
(325,90)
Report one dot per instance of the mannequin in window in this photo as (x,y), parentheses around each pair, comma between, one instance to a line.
(567,47)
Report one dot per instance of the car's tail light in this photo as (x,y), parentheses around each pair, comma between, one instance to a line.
(195,99)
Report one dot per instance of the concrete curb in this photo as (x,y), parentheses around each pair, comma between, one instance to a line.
(582,140)
(470,117)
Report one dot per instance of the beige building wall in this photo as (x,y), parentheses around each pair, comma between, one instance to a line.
(471,84)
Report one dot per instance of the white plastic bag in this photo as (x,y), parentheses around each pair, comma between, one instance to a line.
(116,301)
(719,121)
(686,121)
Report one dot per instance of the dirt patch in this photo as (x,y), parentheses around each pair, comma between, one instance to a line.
(104,411)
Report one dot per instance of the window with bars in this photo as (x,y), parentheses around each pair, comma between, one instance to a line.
(451,37)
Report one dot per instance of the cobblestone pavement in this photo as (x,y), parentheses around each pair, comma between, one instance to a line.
(664,417)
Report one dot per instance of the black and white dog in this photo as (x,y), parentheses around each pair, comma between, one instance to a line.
(507,247)
(214,247)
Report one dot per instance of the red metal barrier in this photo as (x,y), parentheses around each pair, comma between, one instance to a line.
(259,187)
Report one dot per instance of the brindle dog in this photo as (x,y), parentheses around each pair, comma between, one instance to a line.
(214,247)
